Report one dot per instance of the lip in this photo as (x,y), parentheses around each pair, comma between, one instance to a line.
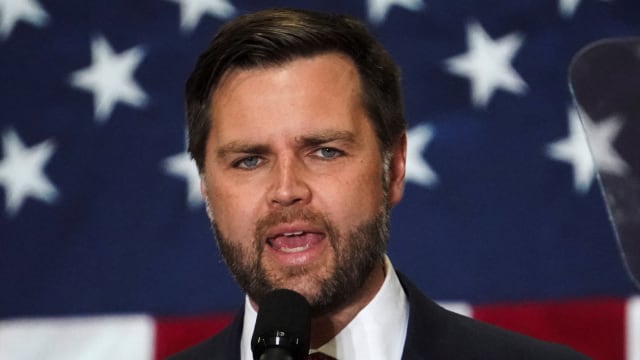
(294,244)
(281,230)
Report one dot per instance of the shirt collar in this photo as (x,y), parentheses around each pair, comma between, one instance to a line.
(367,335)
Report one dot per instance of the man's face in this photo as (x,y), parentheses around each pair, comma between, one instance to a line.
(293,179)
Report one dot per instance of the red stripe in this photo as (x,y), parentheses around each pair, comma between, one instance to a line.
(594,327)
(175,334)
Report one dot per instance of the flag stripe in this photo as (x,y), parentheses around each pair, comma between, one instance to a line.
(78,338)
(175,334)
(594,326)
(633,328)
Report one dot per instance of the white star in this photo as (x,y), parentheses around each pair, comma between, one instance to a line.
(601,137)
(182,166)
(11,11)
(110,78)
(192,10)
(418,171)
(487,64)
(378,8)
(575,149)
(21,172)
(567,7)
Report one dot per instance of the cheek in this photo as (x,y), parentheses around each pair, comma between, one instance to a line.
(353,198)
(233,211)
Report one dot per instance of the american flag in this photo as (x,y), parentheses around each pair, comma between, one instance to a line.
(105,248)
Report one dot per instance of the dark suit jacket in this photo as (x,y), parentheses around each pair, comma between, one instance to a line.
(434,333)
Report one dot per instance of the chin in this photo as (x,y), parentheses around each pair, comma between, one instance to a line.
(308,284)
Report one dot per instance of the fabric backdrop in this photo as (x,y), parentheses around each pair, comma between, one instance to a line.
(105,248)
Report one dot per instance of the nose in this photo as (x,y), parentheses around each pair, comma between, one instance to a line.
(289,185)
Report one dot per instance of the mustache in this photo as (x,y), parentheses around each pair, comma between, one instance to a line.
(290,215)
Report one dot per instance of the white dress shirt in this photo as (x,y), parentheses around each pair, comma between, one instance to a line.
(368,335)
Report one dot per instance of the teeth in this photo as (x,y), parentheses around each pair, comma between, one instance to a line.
(297,233)
(295,249)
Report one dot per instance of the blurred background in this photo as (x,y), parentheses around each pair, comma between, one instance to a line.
(105,248)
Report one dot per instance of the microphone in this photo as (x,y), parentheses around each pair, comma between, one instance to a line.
(282,327)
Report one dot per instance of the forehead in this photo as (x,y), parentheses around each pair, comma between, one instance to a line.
(331,64)
(322,87)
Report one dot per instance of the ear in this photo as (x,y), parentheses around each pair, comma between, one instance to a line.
(397,167)
(203,192)
(203,186)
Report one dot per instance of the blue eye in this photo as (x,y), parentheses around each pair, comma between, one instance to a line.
(329,153)
(249,162)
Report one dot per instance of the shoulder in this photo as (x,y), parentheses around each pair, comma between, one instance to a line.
(442,334)
(223,346)
(479,340)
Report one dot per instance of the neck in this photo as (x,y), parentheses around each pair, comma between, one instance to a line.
(326,327)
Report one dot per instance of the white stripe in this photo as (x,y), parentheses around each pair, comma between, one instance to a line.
(80,338)
(633,328)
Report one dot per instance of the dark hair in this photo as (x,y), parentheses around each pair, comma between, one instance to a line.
(277,36)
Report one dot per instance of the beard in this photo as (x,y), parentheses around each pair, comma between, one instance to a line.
(327,285)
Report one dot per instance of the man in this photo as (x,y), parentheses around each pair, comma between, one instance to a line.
(296,125)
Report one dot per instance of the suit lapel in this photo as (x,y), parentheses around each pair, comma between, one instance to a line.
(426,320)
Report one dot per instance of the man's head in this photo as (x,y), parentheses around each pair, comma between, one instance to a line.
(274,37)
(295,121)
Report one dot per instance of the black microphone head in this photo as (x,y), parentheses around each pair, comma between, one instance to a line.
(284,322)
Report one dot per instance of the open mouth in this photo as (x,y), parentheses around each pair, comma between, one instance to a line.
(294,241)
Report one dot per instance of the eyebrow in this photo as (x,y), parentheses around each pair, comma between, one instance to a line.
(240,147)
(310,140)
(325,136)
